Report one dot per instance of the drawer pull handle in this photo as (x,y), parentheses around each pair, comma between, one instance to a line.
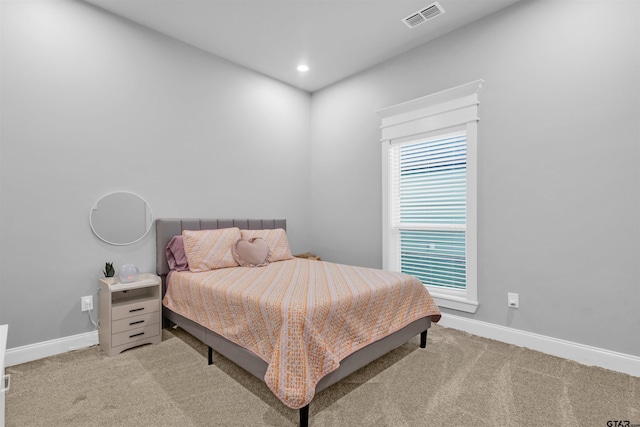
(136,309)
(135,323)
(136,335)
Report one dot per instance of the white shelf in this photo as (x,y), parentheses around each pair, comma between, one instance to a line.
(134,298)
(144,280)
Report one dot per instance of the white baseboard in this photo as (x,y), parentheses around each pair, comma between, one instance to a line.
(27,353)
(580,353)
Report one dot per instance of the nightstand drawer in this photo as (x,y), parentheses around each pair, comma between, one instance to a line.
(135,335)
(135,308)
(135,322)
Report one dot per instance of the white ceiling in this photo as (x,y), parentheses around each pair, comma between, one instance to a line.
(336,38)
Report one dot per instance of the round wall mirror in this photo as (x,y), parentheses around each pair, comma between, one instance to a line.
(121,218)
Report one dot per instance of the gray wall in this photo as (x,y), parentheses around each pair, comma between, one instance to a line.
(559,162)
(92,103)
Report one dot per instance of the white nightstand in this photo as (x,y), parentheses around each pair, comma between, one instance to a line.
(130,313)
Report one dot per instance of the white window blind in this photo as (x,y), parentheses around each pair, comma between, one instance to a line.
(429,168)
(428,186)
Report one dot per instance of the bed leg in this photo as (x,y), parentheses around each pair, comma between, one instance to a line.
(210,356)
(304,416)
(423,339)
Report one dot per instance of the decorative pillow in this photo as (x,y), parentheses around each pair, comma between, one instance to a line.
(251,253)
(176,258)
(276,239)
(210,249)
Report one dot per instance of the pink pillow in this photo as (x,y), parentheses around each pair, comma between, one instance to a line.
(210,249)
(276,239)
(251,253)
(176,258)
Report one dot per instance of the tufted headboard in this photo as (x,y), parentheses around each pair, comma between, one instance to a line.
(166,228)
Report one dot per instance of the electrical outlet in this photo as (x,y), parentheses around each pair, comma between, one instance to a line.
(86,303)
(512,300)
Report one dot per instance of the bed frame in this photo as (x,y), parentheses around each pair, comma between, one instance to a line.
(166,228)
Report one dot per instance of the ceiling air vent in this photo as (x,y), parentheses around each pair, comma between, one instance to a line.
(423,15)
(414,20)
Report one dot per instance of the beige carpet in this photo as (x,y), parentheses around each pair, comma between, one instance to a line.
(458,380)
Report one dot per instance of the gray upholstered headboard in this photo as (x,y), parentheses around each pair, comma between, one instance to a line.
(166,228)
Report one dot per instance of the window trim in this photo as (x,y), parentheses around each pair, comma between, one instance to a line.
(428,116)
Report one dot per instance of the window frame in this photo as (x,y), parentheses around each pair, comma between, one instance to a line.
(427,117)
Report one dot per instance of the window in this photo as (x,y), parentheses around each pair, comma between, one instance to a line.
(429,193)
(429,209)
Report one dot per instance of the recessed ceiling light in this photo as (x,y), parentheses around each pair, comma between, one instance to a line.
(303,68)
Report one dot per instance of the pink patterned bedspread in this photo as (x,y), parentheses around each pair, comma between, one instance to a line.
(302,317)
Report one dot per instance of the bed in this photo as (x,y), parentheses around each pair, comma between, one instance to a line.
(252,358)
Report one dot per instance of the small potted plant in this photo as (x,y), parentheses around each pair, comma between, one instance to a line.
(109,271)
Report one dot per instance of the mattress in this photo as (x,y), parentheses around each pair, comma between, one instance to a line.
(302,317)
